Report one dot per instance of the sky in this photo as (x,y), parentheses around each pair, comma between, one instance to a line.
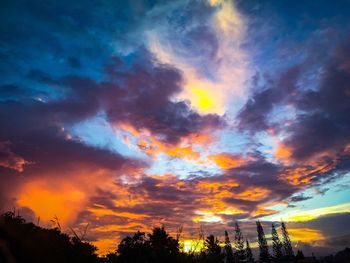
(118,116)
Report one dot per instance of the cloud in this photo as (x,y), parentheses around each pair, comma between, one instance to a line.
(328,223)
(328,233)
(10,160)
(299,198)
(254,116)
(326,111)
(208,50)
(145,102)
(226,160)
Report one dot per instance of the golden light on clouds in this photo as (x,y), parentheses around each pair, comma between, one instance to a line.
(263,212)
(305,234)
(226,161)
(108,212)
(208,217)
(282,153)
(303,216)
(253,194)
(49,200)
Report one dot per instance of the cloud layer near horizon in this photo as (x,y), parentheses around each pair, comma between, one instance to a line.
(130,115)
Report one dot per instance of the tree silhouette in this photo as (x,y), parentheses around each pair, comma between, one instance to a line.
(164,247)
(248,253)
(213,250)
(26,242)
(239,244)
(110,258)
(263,247)
(287,244)
(228,249)
(276,244)
(156,247)
(134,249)
(300,255)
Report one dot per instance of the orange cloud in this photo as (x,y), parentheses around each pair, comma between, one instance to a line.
(253,194)
(50,199)
(183,149)
(200,139)
(304,175)
(125,228)
(283,153)
(149,144)
(263,212)
(226,160)
(305,234)
(106,212)
(214,186)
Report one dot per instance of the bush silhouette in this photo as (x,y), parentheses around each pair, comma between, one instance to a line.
(30,243)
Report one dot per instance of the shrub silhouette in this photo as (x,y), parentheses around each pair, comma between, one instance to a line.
(30,243)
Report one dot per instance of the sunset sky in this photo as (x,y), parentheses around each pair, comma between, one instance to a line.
(129,115)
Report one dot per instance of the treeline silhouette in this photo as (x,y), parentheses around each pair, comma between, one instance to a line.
(21,241)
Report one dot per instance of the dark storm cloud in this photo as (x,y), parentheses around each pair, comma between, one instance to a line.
(14,92)
(293,36)
(262,173)
(331,224)
(335,229)
(145,101)
(325,124)
(151,188)
(339,241)
(319,128)
(140,97)
(255,114)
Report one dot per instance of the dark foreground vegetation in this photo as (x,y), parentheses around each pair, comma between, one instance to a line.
(28,243)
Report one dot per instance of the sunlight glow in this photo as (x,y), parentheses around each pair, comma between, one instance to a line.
(192,245)
(207,217)
(302,216)
(209,84)
(202,99)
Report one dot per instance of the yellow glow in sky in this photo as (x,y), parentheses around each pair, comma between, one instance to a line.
(230,65)
(206,217)
(201,99)
(192,245)
(302,216)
